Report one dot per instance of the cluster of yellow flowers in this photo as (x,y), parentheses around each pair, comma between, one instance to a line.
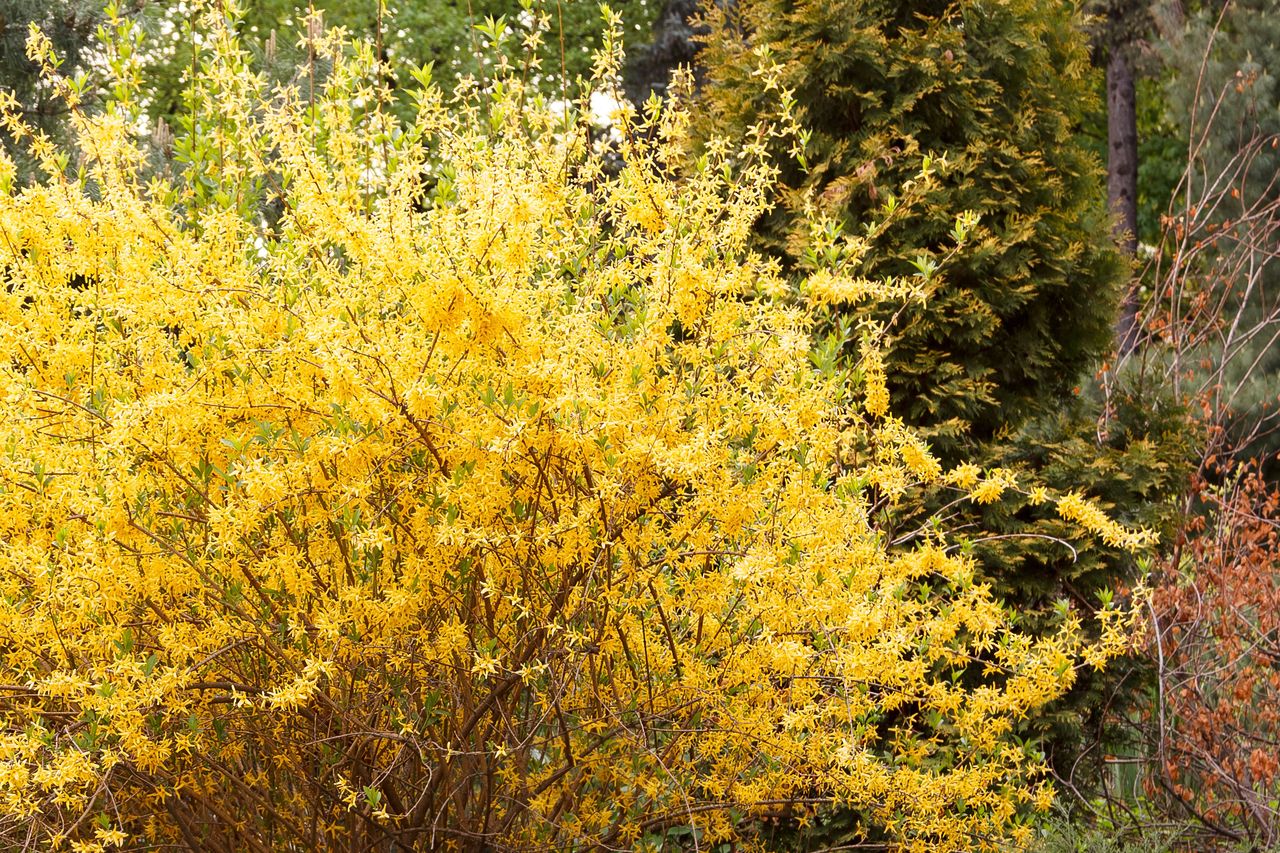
(480,498)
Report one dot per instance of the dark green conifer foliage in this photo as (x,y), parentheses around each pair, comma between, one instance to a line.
(1130,450)
(997,87)
(70,25)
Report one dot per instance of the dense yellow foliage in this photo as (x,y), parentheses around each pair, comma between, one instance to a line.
(484,499)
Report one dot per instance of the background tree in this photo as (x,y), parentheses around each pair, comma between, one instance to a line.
(998,91)
(70,25)
(1223,97)
(673,43)
(406,34)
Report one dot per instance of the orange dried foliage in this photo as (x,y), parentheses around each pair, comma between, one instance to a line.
(1218,647)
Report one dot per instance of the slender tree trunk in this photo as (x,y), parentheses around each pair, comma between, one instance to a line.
(1122,177)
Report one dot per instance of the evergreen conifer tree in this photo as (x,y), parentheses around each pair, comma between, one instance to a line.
(996,363)
(69,25)
(997,88)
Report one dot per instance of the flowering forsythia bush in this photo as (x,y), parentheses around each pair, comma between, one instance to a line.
(477,498)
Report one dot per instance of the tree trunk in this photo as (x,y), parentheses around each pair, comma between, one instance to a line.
(1122,178)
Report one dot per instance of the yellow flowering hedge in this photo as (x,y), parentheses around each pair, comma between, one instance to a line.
(484,498)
